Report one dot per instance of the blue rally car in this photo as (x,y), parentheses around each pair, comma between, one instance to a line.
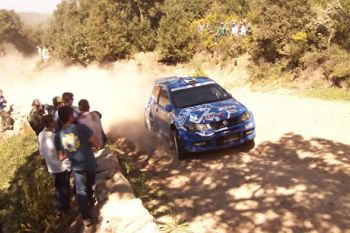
(197,115)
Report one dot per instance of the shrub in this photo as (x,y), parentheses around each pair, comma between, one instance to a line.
(27,197)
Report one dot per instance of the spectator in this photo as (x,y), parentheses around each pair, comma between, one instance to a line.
(221,30)
(7,121)
(45,54)
(234,29)
(242,29)
(57,103)
(76,141)
(59,169)
(91,120)
(68,99)
(3,101)
(40,52)
(35,117)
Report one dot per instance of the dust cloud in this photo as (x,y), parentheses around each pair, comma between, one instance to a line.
(119,92)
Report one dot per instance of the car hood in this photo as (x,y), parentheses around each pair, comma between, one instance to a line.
(208,113)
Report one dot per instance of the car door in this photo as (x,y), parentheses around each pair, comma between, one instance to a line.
(153,106)
(162,116)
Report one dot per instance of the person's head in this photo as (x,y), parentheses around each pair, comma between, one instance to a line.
(49,121)
(68,98)
(222,24)
(84,105)
(36,103)
(65,113)
(57,101)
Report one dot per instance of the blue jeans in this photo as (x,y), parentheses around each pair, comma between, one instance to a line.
(62,190)
(84,181)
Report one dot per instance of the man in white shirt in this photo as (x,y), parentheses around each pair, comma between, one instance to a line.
(92,120)
(59,169)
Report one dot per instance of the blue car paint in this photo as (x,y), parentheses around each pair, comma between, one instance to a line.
(217,136)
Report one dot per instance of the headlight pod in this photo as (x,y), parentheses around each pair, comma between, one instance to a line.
(245,116)
(197,127)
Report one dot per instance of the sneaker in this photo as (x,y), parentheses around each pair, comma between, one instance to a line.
(87,222)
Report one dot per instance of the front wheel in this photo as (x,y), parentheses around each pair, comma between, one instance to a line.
(179,150)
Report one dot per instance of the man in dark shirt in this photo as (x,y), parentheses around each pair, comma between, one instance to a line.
(2,101)
(75,142)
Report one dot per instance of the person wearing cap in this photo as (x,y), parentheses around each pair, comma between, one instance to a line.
(57,103)
(35,117)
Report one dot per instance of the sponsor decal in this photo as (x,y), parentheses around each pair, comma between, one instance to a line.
(207,112)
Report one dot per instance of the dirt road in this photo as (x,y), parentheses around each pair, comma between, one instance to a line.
(295,179)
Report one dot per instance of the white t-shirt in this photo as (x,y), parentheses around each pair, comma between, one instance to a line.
(48,150)
(92,120)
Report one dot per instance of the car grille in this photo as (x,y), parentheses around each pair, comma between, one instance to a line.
(220,124)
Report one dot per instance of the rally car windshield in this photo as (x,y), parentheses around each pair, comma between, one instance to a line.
(199,95)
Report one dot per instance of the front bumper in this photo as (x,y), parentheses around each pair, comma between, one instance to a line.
(221,139)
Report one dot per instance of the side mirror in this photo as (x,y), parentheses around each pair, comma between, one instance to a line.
(168,108)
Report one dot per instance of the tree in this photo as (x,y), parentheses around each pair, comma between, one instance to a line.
(12,32)
(175,38)
(279,24)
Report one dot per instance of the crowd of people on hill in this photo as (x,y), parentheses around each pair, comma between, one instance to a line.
(43,53)
(68,136)
(235,29)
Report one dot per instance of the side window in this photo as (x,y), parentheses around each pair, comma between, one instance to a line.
(163,98)
(155,92)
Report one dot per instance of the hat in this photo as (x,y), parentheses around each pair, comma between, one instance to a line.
(57,99)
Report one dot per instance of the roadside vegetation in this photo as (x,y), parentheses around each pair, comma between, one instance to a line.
(300,41)
(26,189)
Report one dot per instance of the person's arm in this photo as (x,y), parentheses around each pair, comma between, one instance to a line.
(61,156)
(94,141)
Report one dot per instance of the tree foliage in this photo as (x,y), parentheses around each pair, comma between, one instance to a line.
(12,32)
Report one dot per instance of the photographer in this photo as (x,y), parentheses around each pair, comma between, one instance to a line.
(35,117)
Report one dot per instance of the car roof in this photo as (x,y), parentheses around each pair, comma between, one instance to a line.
(180,81)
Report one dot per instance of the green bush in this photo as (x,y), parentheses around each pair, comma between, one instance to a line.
(175,35)
(27,201)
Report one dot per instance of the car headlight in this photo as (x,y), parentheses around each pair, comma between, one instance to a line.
(245,116)
(197,127)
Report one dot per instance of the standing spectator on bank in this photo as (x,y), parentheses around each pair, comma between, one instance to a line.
(57,103)
(68,99)
(200,28)
(234,29)
(59,169)
(76,141)
(6,121)
(91,120)
(35,117)
(221,30)
(3,101)
(40,52)
(45,54)
(242,29)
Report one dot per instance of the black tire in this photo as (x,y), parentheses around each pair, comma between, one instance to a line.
(179,150)
(247,146)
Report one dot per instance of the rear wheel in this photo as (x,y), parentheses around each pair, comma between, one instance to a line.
(179,150)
